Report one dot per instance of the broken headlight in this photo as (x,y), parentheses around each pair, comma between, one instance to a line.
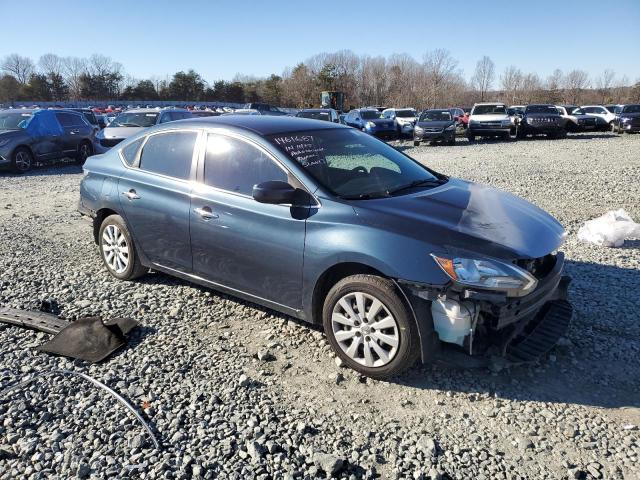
(488,274)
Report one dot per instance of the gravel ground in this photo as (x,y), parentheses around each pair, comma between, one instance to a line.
(237,391)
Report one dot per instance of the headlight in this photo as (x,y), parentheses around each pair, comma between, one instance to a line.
(530,120)
(451,127)
(371,124)
(4,141)
(488,274)
(622,119)
(418,130)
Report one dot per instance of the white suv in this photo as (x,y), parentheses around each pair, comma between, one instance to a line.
(599,111)
(489,120)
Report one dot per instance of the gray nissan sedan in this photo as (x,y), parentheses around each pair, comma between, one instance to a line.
(330,225)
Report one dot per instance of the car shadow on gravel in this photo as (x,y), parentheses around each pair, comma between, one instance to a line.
(43,170)
(599,366)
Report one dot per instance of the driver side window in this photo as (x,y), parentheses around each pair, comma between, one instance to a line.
(236,166)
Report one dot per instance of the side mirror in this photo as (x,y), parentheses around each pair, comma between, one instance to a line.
(273,192)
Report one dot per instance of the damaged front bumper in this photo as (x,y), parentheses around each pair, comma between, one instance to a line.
(518,329)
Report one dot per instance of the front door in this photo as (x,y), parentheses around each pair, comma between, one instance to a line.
(237,242)
(155,198)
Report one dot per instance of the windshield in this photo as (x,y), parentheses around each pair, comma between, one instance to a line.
(370,114)
(631,109)
(489,110)
(351,164)
(405,113)
(128,119)
(14,120)
(314,115)
(541,109)
(435,116)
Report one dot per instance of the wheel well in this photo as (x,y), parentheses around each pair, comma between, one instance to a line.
(332,276)
(99,218)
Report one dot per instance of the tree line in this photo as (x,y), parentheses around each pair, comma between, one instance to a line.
(399,80)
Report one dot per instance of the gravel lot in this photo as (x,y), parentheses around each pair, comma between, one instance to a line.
(193,371)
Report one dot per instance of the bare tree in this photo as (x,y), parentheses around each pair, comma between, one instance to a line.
(511,82)
(604,83)
(553,87)
(51,64)
(575,82)
(439,69)
(20,67)
(531,88)
(483,77)
(73,68)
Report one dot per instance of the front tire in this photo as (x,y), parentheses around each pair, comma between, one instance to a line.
(369,326)
(415,143)
(118,252)
(21,160)
(471,138)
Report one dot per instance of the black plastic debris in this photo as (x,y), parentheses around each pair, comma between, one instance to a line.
(88,338)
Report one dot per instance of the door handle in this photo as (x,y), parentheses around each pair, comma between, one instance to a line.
(205,213)
(131,194)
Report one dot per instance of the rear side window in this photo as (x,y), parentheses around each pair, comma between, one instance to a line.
(169,154)
(65,119)
(129,152)
(236,166)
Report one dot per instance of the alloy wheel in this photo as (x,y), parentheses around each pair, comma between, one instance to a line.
(23,161)
(115,249)
(84,152)
(365,329)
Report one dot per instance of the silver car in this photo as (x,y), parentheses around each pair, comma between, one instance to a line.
(404,118)
(132,121)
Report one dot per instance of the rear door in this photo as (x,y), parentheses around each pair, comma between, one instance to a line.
(47,133)
(237,242)
(69,137)
(155,197)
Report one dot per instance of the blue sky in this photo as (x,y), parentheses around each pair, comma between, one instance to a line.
(220,38)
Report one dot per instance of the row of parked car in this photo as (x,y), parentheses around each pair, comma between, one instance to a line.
(484,120)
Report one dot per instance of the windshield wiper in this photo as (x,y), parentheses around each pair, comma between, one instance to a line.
(365,196)
(417,183)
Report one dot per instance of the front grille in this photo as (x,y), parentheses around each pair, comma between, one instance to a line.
(490,124)
(538,267)
(635,122)
(432,130)
(110,142)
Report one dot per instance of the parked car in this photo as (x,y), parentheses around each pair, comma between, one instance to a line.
(599,123)
(327,114)
(627,120)
(395,260)
(576,121)
(132,121)
(461,119)
(437,125)
(370,120)
(489,120)
(28,136)
(265,109)
(404,118)
(542,119)
(599,111)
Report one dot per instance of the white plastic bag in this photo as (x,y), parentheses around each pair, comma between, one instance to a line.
(610,229)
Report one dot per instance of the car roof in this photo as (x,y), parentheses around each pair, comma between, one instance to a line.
(316,109)
(259,124)
(489,103)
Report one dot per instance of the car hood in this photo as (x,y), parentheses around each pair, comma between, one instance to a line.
(4,134)
(438,124)
(543,115)
(467,217)
(629,115)
(120,132)
(494,117)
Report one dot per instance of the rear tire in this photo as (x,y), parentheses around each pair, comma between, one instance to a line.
(117,250)
(452,141)
(85,150)
(378,344)
(21,160)
(415,144)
